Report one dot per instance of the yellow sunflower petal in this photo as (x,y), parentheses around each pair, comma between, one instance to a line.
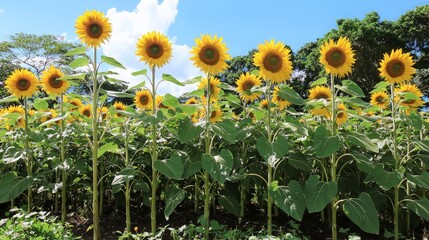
(397,67)
(144,100)
(50,82)
(154,48)
(214,88)
(279,101)
(337,57)
(22,83)
(380,99)
(244,85)
(320,92)
(210,54)
(401,98)
(93,28)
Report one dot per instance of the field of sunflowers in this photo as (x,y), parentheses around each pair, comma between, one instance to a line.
(333,157)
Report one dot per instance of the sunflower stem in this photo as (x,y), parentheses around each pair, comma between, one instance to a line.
(154,156)
(270,168)
(95,207)
(206,173)
(395,157)
(29,165)
(334,161)
(63,163)
(127,183)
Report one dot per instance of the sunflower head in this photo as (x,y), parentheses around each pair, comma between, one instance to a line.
(50,114)
(158,102)
(264,104)
(380,99)
(16,109)
(93,28)
(215,115)
(191,100)
(154,48)
(409,95)
(273,60)
(22,83)
(143,100)
(86,111)
(210,54)
(397,67)
(342,115)
(73,104)
(317,93)
(337,57)
(119,106)
(103,112)
(51,83)
(214,87)
(277,99)
(245,83)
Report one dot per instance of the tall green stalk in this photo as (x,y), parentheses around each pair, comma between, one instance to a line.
(397,162)
(206,173)
(334,161)
(270,168)
(29,163)
(127,183)
(95,207)
(154,156)
(63,163)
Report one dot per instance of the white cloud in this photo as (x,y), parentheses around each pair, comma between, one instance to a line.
(1,11)
(128,27)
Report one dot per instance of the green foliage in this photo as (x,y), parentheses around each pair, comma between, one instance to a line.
(362,212)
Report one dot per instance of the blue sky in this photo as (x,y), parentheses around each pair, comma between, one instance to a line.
(243,23)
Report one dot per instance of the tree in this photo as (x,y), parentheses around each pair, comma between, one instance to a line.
(237,66)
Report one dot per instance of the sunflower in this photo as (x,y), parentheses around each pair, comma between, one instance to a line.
(103,112)
(143,100)
(273,60)
(380,99)
(93,28)
(210,54)
(51,83)
(119,106)
(245,83)
(281,103)
(215,115)
(73,104)
(86,110)
(337,57)
(397,67)
(21,111)
(158,102)
(154,49)
(320,92)
(214,88)
(342,115)
(409,89)
(191,100)
(22,83)
(264,104)
(50,114)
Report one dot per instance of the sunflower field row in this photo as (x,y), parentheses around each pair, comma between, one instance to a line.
(258,142)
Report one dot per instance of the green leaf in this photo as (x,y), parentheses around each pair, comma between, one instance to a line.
(319,193)
(76,51)
(287,93)
(381,86)
(385,179)
(172,167)
(191,165)
(170,101)
(9,99)
(361,211)
(299,161)
(120,94)
(169,78)
(140,72)
(290,199)
(79,62)
(193,80)
(272,152)
(173,197)
(108,147)
(187,109)
(421,180)
(40,104)
(350,87)
(423,145)
(11,186)
(415,121)
(126,174)
(233,99)
(420,207)
(231,204)
(112,62)
(319,81)
(54,120)
(363,141)
(13,154)
(325,145)
(220,166)
(363,163)
(226,129)
(138,86)
(188,131)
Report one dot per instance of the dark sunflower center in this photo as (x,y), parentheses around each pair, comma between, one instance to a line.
(279,99)
(340,115)
(209,55)
(74,103)
(213,114)
(191,102)
(273,63)
(87,113)
(119,108)
(395,68)
(155,50)
(144,100)
(247,85)
(55,82)
(95,30)
(321,95)
(23,84)
(380,99)
(335,57)
(411,101)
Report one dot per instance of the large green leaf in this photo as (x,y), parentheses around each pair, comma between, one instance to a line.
(79,62)
(112,62)
(173,197)
(287,93)
(230,204)
(423,145)
(76,51)
(290,198)
(319,193)
(9,99)
(140,72)
(385,179)
(172,167)
(299,161)
(381,86)
(272,152)
(350,87)
(188,131)
(11,186)
(170,101)
(226,129)
(169,78)
(319,81)
(362,141)
(421,180)
(108,147)
(13,154)
(191,165)
(363,163)
(220,166)
(414,120)
(420,207)
(362,212)
(324,144)
(126,174)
